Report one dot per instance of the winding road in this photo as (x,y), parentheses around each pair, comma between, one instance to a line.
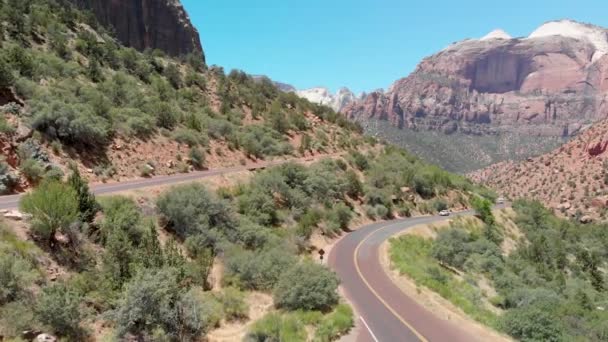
(12,201)
(386,313)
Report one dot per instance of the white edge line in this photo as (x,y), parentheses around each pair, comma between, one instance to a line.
(368,329)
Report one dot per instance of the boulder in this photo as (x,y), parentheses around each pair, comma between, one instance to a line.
(29,335)
(45,338)
(600,202)
(15,215)
(586,219)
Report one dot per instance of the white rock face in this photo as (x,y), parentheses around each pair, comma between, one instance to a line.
(318,95)
(595,35)
(497,34)
(323,96)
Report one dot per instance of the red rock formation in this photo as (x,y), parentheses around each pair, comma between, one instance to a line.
(545,86)
(597,148)
(141,24)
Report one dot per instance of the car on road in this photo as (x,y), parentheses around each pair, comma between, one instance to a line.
(444,213)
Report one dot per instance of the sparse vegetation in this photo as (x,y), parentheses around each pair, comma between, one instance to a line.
(447,150)
(553,274)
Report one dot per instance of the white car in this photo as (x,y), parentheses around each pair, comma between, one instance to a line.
(500,200)
(444,213)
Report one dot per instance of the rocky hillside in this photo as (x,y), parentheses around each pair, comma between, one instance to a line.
(71,93)
(143,24)
(572,179)
(549,84)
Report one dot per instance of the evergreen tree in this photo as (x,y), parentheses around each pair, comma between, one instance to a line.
(87,204)
(6,76)
(117,259)
(94,70)
(150,250)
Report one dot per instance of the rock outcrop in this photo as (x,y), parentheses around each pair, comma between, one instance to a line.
(342,99)
(548,84)
(141,24)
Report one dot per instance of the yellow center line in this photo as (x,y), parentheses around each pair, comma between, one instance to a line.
(408,325)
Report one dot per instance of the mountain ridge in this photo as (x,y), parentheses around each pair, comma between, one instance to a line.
(547,85)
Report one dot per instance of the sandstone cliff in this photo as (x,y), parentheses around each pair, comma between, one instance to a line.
(548,84)
(141,24)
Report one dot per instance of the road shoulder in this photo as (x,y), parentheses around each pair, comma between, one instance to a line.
(433,302)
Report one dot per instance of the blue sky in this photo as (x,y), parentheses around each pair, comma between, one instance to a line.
(361,44)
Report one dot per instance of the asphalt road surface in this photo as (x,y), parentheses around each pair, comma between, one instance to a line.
(386,313)
(12,201)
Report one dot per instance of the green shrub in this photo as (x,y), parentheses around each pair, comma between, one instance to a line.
(17,317)
(190,210)
(59,307)
(53,206)
(340,215)
(33,170)
(141,125)
(382,211)
(440,204)
(423,186)
(16,275)
(8,180)
(165,116)
(257,270)
(532,323)
(190,137)
(197,157)
(173,75)
(336,324)
(277,327)
(259,205)
(307,286)
(118,258)
(153,300)
(6,75)
(121,213)
(233,304)
(146,170)
(483,208)
(452,247)
(359,160)
(74,124)
(354,187)
(370,212)
(5,127)
(87,205)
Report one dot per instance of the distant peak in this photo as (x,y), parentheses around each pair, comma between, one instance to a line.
(324,96)
(497,34)
(596,35)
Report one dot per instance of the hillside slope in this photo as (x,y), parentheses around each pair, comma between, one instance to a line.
(548,85)
(521,271)
(572,179)
(73,93)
